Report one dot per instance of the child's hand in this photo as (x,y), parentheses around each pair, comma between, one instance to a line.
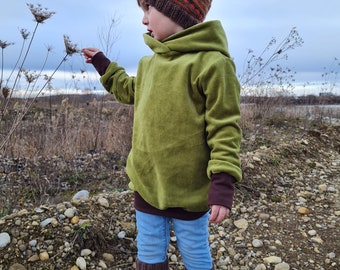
(89,53)
(218,213)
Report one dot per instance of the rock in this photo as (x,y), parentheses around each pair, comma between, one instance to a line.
(331,255)
(322,187)
(121,234)
(17,266)
(102,264)
(82,195)
(312,232)
(70,212)
(44,256)
(103,202)
(282,266)
(81,263)
(264,216)
(317,240)
(34,258)
(257,159)
(108,257)
(303,211)
(272,259)
(33,242)
(85,252)
(45,222)
(260,267)
(5,239)
(257,243)
(241,224)
(173,258)
(75,220)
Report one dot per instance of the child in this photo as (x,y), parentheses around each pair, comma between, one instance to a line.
(184,156)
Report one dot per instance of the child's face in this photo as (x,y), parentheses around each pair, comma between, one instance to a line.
(158,25)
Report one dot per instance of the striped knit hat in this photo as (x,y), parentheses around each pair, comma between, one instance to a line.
(186,13)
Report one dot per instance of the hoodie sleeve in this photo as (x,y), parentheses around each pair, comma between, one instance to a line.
(221,190)
(100,63)
(222,91)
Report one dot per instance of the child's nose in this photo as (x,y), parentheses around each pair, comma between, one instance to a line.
(145,20)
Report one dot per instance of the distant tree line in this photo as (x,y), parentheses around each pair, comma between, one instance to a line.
(292,100)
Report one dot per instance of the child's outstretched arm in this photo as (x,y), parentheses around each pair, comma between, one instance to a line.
(113,77)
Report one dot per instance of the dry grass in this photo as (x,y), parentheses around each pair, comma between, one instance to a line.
(70,127)
(74,125)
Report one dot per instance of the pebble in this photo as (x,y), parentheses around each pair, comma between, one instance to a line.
(70,212)
(44,256)
(5,239)
(75,220)
(264,216)
(82,195)
(282,266)
(102,264)
(317,240)
(45,222)
(121,234)
(260,267)
(85,252)
(108,257)
(173,258)
(103,202)
(312,232)
(81,263)
(272,259)
(303,211)
(16,266)
(241,224)
(257,243)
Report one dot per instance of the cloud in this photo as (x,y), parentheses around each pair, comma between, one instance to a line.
(248,24)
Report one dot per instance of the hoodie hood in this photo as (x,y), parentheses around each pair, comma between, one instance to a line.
(206,36)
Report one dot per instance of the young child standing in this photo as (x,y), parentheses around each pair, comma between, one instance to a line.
(186,138)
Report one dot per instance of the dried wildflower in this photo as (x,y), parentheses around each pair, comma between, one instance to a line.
(4,44)
(24,33)
(47,78)
(70,48)
(30,76)
(40,14)
(49,48)
(5,92)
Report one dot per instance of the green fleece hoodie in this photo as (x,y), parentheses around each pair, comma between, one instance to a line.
(186,109)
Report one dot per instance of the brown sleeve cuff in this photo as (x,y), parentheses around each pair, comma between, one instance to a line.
(221,190)
(100,63)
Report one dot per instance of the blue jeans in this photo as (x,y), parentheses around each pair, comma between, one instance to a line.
(153,239)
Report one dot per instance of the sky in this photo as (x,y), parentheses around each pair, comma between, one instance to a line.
(249,25)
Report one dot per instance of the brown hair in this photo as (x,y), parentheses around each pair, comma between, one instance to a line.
(141,2)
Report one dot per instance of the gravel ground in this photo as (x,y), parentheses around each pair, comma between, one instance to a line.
(286,212)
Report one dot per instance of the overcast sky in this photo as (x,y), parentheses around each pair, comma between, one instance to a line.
(248,24)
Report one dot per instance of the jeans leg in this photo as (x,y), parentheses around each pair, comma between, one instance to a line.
(153,238)
(193,242)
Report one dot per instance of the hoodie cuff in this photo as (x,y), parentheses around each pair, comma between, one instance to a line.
(221,190)
(100,63)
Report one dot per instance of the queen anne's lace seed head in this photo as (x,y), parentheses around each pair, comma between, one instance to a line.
(40,14)
(69,46)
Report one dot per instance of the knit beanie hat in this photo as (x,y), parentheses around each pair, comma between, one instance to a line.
(186,13)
